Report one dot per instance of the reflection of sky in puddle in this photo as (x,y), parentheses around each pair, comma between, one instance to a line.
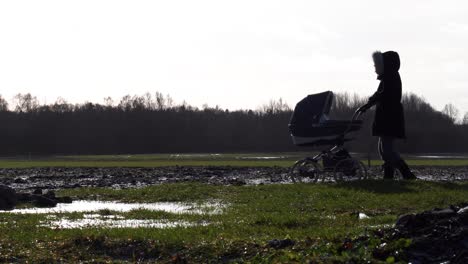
(113,221)
(194,155)
(90,206)
(260,158)
(440,157)
(96,220)
(217,155)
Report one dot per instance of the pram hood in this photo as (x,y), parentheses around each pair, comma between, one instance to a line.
(310,125)
(311,109)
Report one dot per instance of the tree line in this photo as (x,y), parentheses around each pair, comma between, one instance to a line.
(154,123)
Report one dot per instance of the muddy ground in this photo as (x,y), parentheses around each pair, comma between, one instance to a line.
(58,178)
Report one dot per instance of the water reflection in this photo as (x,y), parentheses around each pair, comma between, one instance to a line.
(114,221)
(93,206)
(262,158)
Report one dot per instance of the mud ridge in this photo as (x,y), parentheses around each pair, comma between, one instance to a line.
(52,178)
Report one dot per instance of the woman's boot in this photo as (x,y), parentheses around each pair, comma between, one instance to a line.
(405,170)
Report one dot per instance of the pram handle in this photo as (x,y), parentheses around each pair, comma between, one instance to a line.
(356,115)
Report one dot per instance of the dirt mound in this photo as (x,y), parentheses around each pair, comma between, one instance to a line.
(437,236)
(8,198)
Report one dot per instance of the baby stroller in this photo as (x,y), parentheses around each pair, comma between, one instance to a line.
(311,127)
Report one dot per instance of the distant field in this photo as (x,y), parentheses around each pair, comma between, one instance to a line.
(201,159)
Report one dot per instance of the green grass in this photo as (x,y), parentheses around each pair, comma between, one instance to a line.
(200,159)
(319,217)
(162,163)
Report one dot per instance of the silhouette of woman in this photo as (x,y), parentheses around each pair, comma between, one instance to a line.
(389,122)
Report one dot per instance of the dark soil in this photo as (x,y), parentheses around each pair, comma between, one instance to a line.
(438,236)
(59,178)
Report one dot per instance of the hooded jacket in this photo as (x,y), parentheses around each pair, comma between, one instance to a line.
(389,117)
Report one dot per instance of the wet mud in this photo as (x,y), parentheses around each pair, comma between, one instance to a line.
(437,236)
(60,178)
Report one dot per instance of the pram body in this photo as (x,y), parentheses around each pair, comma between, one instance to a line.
(310,126)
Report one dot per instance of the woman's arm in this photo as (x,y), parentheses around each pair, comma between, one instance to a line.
(374,99)
(377,96)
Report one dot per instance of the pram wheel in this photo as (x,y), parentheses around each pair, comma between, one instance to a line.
(348,169)
(305,170)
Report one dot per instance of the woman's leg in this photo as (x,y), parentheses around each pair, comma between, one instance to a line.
(393,159)
(388,155)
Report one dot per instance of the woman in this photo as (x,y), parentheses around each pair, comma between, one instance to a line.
(389,122)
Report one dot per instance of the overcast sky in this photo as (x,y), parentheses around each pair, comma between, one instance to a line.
(237,54)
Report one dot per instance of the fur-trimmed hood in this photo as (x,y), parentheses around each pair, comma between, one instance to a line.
(389,59)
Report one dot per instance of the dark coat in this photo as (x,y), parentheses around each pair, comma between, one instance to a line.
(389,118)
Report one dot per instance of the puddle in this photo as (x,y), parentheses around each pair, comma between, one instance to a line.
(440,156)
(102,223)
(208,155)
(93,206)
(264,158)
(95,220)
(113,221)
(194,155)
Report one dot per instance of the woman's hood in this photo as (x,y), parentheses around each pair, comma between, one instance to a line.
(391,61)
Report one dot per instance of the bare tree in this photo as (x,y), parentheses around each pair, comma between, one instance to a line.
(465,119)
(3,104)
(169,101)
(61,105)
(126,103)
(160,101)
(25,103)
(138,102)
(274,107)
(108,101)
(149,103)
(451,111)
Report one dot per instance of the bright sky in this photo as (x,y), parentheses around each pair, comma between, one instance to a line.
(237,54)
